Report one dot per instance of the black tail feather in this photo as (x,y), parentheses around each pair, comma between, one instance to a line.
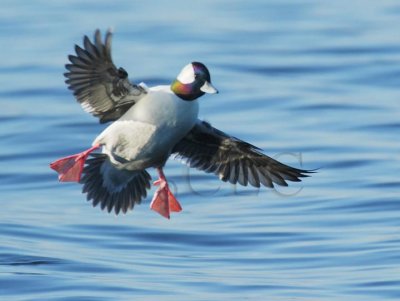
(113,189)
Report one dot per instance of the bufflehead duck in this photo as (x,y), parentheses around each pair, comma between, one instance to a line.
(150,124)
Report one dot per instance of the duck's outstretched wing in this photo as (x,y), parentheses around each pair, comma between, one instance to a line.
(100,88)
(233,160)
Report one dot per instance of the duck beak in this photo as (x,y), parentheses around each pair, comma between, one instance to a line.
(208,88)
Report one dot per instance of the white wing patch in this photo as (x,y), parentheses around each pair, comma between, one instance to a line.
(186,76)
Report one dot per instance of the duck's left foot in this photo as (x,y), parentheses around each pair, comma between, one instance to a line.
(164,202)
(70,168)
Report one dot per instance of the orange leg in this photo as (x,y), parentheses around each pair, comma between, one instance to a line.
(70,168)
(164,201)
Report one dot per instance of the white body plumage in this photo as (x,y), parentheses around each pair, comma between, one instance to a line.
(145,135)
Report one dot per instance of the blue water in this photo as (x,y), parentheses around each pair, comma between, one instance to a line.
(314,83)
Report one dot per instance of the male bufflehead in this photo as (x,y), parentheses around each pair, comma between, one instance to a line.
(150,124)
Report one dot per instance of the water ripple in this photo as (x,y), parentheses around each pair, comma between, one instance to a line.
(307,81)
(22,260)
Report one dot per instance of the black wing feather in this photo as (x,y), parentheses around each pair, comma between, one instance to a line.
(100,88)
(233,160)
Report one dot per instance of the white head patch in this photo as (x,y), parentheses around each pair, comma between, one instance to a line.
(186,76)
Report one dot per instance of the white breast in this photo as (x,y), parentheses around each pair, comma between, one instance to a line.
(162,107)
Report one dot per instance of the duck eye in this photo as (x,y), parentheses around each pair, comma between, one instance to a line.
(196,76)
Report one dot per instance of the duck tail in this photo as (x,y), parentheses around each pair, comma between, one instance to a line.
(112,188)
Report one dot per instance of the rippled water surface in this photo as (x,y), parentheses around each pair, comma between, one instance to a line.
(313,83)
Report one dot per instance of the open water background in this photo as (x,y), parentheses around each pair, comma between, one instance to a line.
(314,83)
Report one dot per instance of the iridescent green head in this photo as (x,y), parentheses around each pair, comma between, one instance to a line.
(192,82)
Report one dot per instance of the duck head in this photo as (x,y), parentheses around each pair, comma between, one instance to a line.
(192,82)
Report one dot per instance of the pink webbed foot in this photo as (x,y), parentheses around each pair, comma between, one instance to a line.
(164,202)
(70,168)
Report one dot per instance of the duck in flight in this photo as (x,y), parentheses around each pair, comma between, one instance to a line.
(148,125)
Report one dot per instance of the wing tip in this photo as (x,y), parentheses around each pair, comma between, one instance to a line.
(305,173)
